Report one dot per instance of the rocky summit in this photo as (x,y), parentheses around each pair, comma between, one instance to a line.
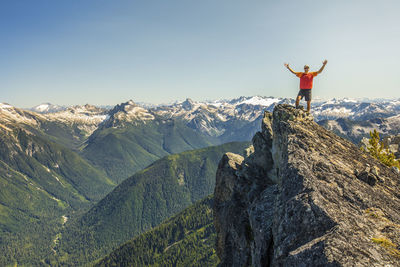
(303,196)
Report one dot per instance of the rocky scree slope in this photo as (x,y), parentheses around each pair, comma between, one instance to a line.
(305,197)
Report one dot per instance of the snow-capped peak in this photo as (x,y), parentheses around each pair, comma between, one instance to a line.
(42,107)
(87,117)
(47,108)
(131,103)
(127,112)
(5,106)
(349,100)
(86,109)
(188,104)
(10,114)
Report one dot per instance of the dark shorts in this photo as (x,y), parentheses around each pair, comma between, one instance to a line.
(306,93)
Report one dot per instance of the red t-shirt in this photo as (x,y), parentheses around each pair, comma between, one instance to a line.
(306,80)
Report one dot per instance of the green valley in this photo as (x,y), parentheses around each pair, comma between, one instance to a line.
(141,202)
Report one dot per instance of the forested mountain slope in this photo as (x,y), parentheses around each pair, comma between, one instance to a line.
(41,181)
(143,201)
(187,239)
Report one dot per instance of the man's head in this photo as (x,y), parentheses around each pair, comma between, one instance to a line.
(306,68)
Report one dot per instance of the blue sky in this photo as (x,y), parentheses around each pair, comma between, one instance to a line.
(107,52)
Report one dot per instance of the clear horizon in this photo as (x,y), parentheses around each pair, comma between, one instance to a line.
(73,53)
(315,100)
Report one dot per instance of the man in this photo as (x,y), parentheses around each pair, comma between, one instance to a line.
(306,83)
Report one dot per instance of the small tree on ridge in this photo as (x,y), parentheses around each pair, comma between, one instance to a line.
(378,150)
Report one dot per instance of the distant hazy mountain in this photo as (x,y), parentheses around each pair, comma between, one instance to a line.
(355,110)
(355,130)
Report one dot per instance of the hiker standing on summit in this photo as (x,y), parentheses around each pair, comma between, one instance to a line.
(306,83)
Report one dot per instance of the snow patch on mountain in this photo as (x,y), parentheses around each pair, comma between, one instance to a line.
(128,112)
(260,101)
(42,108)
(338,112)
(87,118)
(11,115)
(134,113)
(80,114)
(47,108)
(5,106)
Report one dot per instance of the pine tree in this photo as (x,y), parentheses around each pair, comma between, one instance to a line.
(378,150)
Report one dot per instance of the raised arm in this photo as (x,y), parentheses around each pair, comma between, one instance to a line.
(323,66)
(287,66)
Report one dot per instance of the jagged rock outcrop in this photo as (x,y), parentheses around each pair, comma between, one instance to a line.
(126,113)
(305,197)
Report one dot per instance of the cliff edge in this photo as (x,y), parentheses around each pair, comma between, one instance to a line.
(305,197)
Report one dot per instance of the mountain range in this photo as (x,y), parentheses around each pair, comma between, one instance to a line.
(220,121)
(60,167)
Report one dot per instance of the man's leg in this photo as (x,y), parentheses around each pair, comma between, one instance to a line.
(298,101)
(308,99)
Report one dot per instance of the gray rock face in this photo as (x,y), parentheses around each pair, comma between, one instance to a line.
(393,144)
(305,197)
